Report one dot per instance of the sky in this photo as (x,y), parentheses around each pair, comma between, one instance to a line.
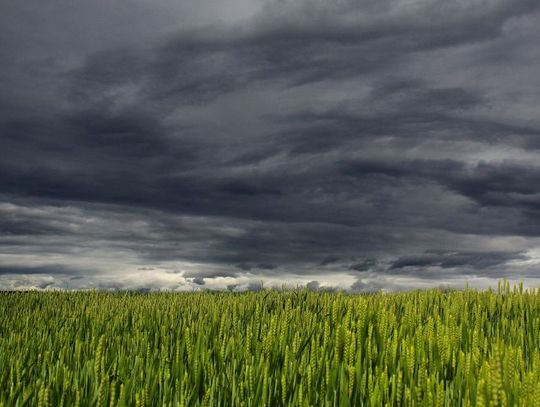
(339,144)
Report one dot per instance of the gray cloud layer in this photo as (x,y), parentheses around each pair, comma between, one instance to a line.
(363,144)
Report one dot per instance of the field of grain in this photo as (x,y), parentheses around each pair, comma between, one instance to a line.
(301,348)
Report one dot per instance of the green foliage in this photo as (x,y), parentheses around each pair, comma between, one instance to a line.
(301,348)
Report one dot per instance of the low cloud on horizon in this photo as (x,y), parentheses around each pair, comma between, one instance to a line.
(357,145)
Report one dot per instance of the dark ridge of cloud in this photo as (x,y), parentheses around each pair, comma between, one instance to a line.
(502,184)
(402,118)
(444,260)
(42,269)
(506,184)
(11,226)
(420,168)
(365,265)
(417,96)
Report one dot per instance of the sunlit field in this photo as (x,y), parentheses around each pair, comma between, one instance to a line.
(301,348)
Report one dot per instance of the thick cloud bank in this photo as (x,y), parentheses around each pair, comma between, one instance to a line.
(362,145)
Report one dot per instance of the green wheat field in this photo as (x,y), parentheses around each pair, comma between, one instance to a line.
(271,348)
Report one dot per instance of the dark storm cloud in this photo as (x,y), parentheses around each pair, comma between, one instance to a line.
(47,270)
(364,265)
(445,260)
(407,116)
(202,64)
(312,139)
(502,184)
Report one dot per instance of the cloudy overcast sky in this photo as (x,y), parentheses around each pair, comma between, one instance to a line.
(197,144)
